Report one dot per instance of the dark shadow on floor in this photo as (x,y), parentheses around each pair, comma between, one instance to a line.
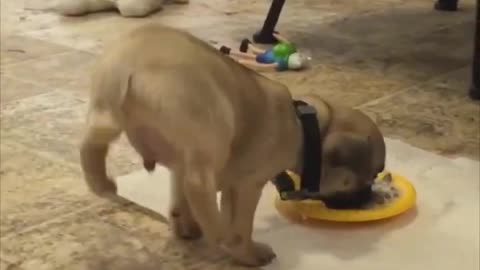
(413,44)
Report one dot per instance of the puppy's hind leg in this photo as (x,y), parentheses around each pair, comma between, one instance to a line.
(201,192)
(101,130)
(241,202)
(182,221)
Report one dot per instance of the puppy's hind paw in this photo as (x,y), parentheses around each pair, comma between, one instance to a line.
(184,226)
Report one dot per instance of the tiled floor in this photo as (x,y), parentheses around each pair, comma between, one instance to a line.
(404,64)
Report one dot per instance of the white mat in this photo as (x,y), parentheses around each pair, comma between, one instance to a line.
(443,233)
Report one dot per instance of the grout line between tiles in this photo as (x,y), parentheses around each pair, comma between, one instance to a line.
(66,46)
(405,89)
(46,155)
(72,93)
(54,158)
(10,265)
(52,220)
(29,97)
(33,59)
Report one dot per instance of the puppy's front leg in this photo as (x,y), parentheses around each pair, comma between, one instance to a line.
(244,200)
(226,206)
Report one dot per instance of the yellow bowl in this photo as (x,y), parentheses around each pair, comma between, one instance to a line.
(316,210)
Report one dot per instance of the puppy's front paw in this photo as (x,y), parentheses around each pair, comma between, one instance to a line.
(184,225)
(254,255)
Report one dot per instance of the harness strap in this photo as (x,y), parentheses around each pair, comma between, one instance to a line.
(312,157)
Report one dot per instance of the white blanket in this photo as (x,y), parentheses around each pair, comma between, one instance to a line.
(442,233)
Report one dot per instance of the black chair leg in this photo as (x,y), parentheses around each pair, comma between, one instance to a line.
(265,35)
(475,87)
(446,5)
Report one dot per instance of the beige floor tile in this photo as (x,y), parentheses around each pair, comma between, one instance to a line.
(79,242)
(138,221)
(150,227)
(13,89)
(28,111)
(21,17)
(35,189)
(4,265)
(152,230)
(8,266)
(346,86)
(436,116)
(381,44)
(69,71)
(92,34)
(53,123)
(106,237)
(19,48)
(362,53)
(366,27)
(87,35)
(15,17)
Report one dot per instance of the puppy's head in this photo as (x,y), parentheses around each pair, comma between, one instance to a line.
(347,170)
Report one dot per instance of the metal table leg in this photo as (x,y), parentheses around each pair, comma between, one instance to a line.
(446,5)
(475,87)
(265,35)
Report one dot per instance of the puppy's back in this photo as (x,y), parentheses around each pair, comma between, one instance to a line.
(154,44)
(151,48)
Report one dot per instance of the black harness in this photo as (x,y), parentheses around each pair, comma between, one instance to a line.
(312,158)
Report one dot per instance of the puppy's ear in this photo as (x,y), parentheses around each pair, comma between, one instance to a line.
(347,149)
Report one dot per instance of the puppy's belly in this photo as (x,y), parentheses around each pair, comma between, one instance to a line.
(150,145)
